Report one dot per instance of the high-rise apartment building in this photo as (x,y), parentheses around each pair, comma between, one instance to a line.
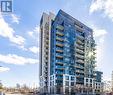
(45,50)
(67,56)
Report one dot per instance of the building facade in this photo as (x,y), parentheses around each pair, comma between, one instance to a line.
(68,66)
(45,42)
(107,86)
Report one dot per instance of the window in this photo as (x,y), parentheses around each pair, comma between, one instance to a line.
(67,77)
(72,83)
(67,59)
(50,83)
(90,80)
(86,80)
(72,78)
(67,83)
(90,85)
(59,82)
(86,85)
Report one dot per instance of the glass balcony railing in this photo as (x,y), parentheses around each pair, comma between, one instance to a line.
(46,45)
(94,53)
(59,33)
(60,27)
(79,56)
(59,39)
(60,50)
(79,47)
(59,54)
(59,44)
(59,72)
(59,67)
(80,67)
(79,51)
(79,71)
(80,29)
(80,61)
(80,37)
(60,57)
(80,76)
(59,61)
(80,42)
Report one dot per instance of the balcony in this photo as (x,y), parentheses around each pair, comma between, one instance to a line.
(93,57)
(59,55)
(94,53)
(59,48)
(80,76)
(80,51)
(46,50)
(59,39)
(80,61)
(79,47)
(80,67)
(59,61)
(59,44)
(60,27)
(94,61)
(46,37)
(80,29)
(59,72)
(59,51)
(80,42)
(93,44)
(46,55)
(59,33)
(94,65)
(94,48)
(59,78)
(46,45)
(80,37)
(80,71)
(60,67)
(79,56)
